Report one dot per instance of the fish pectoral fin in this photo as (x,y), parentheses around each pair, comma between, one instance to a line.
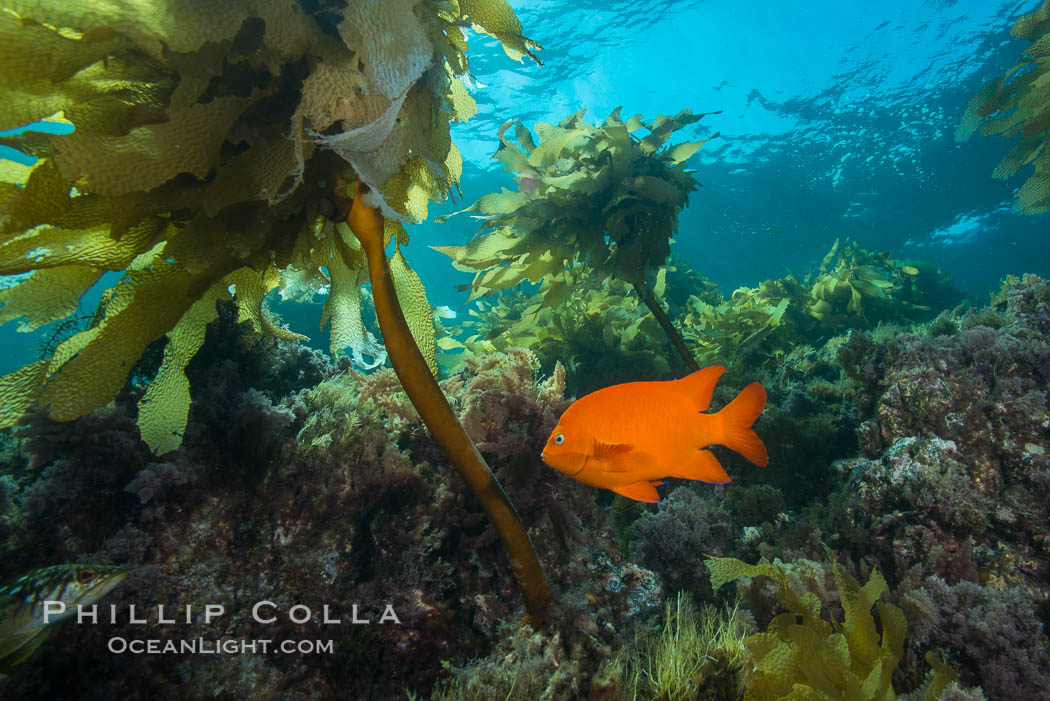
(12,641)
(613,456)
(639,491)
(19,647)
(705,468)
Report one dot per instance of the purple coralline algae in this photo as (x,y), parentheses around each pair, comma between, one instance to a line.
(317,495)
(674,539)
(996,635)
(956,443)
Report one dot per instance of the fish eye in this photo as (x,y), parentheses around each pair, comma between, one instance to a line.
(559,439)
(85,575)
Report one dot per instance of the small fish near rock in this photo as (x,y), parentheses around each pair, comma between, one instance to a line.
(628,437)
(24,625)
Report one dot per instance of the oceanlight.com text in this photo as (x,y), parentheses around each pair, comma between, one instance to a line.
(224,646)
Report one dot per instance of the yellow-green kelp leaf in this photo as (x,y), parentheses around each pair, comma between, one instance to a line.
(460,100)
(151,155)
(44,198)
(46,295)
(496,18)
(343,308)
(1017,104)
(165,407)
(18,389)
(12,173)
(48,247)
(803,655)
(412,297)
(31,88)
(485,251)
(587,195)
(22,40)
(684,151)
(251,288)
(207,139)
(266,171)
(152,303)
(663,127)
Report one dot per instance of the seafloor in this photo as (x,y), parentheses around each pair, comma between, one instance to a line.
(917,451)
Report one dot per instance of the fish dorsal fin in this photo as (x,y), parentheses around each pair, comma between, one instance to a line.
(700,385)
(639,491)
(613,456)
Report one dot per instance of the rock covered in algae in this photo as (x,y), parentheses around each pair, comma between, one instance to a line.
(958,428)
(317,495)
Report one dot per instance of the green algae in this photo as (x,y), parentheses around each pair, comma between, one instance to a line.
(803,656)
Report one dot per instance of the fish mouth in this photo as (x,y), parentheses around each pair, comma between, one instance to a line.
(543,457)
(573,474)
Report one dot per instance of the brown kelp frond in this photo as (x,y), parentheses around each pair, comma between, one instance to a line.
(591,196)
(1018,104)
(207,139)
(802,654)
(587,195)
(602,329)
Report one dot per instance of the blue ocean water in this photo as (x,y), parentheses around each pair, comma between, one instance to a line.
(838,121)
(17,349)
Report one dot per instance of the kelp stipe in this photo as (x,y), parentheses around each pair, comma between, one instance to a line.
(422,388)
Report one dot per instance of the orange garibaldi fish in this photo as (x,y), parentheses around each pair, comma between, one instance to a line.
(628,437)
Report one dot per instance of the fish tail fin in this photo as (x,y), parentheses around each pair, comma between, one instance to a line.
(737,419)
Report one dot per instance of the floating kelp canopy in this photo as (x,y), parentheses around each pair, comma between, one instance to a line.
(596,196)
(208,140)
(1018,104)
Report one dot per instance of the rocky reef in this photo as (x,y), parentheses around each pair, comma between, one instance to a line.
(261,495)
(912,455)
(321,494)
(922,451)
